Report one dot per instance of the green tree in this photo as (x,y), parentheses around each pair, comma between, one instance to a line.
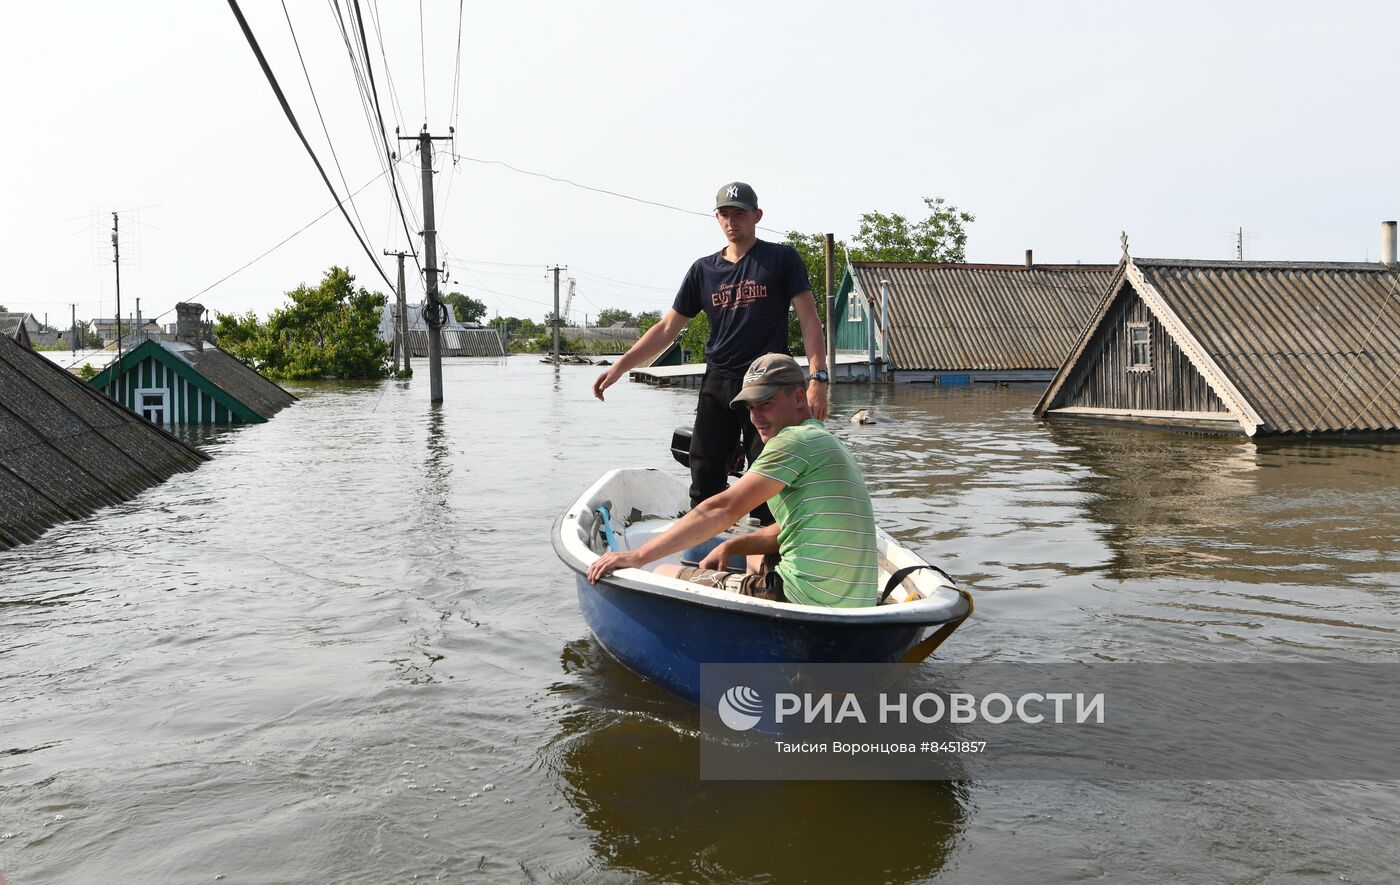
(467,309)
(611,316)
(329,331)
(941,237)
(87,336)
(693,339)
(647,319)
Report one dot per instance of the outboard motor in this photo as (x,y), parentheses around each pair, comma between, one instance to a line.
(680,450)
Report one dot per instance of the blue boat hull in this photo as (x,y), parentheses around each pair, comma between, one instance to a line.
(665,640)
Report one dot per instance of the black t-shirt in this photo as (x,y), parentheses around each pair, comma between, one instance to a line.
(747,303)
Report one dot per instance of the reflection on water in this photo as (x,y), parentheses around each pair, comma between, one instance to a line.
(629,757)
(299,662)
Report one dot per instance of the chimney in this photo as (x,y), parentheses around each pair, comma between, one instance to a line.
(187,323)
(1387,242)
(1029,262)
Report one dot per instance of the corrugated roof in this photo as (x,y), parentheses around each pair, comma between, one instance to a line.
(14,327)
(458,342)
(984,316)
(230,374)
(66,450)
(1313,346)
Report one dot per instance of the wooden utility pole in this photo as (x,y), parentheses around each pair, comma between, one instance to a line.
(830,310)
(557,318)
(73,333)
(117,263)
(434,309)
(401,320)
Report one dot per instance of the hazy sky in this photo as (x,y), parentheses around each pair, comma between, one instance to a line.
(1057,124)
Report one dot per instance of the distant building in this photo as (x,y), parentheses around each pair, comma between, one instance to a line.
(456,340)
(1257,348)
(67,451)
(19,328)
(189,380)
(614,339)
(960,323)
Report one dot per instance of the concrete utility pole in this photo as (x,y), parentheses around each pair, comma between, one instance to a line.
(401,319)
(117,263)
(557,318)
(830,309)
(434,308)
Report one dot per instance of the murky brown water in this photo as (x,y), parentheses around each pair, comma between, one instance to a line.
(344,651)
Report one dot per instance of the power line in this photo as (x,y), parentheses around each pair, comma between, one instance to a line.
(423,62)
(284,242)
(457,67)
(388,74)
(621,282)
(379,116)
(600,190)
(291,118)
(317,104)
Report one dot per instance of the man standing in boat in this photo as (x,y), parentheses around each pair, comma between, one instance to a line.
(745,290)
(825,529)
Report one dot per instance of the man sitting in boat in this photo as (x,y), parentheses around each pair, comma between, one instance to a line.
(824,532)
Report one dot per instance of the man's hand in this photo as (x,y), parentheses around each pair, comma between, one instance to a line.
(717,559)
(603,382)
(612,561)
(817,401)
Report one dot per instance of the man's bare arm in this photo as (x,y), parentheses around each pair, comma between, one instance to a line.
(707,519)
(765,540)
(815,344)
(656,339)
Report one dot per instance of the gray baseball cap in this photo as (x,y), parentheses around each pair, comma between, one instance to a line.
(738,195)
(766,376)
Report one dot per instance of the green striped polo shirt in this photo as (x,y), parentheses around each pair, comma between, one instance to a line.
(826,525)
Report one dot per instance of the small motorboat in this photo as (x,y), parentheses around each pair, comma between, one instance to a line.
(663,629)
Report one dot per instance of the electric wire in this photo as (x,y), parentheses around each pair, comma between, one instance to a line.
(379,116)
(388,74)
(457,66)
(284,242)
(600,190)
(291,118)
(317,104)
(423,62)
(362,90)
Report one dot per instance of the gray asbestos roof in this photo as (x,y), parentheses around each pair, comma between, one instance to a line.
(1312,346)
(458,342)
(228,373)
(66,450)
(983,316)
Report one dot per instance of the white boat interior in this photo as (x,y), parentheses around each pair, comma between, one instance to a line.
(643,503)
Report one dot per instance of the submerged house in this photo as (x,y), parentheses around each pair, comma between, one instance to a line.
(189,380)
(961,323)
(1256,348)
(66,450)
(457,339)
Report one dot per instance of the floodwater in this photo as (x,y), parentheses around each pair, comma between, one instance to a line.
(344,651)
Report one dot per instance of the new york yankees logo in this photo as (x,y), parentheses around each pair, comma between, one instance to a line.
(733,191)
